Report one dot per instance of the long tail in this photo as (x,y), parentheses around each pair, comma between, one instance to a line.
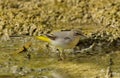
(43,38)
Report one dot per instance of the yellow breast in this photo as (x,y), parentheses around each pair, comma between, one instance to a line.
(74,42)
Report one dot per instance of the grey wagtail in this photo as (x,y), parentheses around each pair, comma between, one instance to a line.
(62,40)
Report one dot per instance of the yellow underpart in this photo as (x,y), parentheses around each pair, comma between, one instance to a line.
(43,38)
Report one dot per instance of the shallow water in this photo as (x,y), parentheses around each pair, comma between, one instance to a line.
(38,61)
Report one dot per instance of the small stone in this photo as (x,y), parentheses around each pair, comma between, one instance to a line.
(44,77)
(5,35)
(14,69)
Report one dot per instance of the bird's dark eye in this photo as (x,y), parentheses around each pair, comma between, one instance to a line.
(77,34)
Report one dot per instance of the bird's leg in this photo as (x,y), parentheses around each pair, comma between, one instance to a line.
(61,54)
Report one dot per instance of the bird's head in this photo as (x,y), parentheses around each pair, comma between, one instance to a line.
(78,33)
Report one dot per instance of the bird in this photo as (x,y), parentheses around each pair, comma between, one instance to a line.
(62,40)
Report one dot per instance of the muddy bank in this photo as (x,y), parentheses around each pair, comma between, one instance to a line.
(33,17)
